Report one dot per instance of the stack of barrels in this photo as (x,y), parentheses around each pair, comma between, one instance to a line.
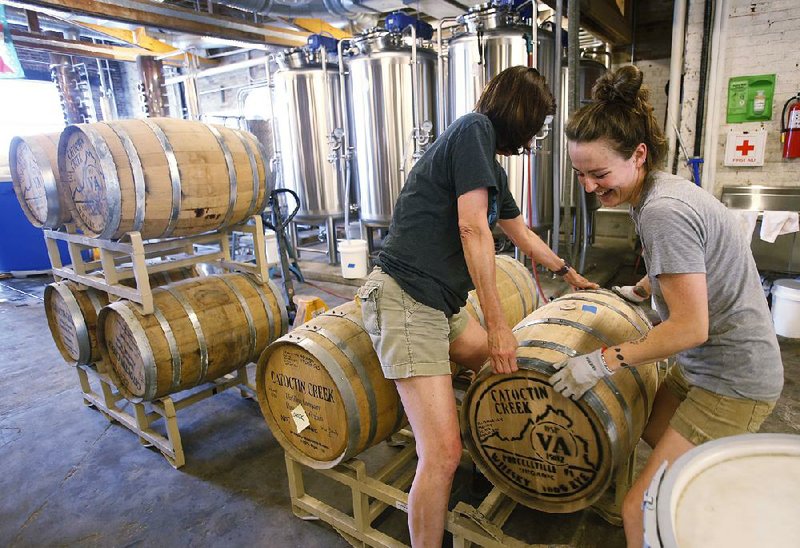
(163,178)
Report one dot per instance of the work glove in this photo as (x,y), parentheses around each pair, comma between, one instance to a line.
(574,376)
(635,294)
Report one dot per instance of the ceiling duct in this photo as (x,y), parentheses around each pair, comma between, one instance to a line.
(341,10)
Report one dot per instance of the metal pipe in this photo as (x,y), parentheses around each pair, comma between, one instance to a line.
(444,102)
(275,161)
(214,71)
(558,127)
(569,214)
(675,71)
(344,152)
(712,114)
(708,19)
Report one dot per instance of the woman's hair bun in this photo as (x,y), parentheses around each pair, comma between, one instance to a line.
(620,86)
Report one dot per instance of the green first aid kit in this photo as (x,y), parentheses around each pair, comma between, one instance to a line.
(750,98)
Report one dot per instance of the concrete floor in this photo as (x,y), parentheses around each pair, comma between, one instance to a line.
(70,477)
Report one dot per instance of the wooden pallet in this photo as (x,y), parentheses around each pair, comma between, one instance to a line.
(131,257)
(373,494)
(100,393)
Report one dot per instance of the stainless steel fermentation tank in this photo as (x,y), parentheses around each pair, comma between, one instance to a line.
(307,112)
(490,40)
(392,114)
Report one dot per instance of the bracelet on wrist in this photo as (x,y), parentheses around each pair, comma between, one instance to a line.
(603,359)
(563,270)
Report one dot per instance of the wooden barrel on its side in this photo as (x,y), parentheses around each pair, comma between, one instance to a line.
(161,176)
(72,314)
(544,450)
(42,194)
(517,290)
(201,329)
(322,391)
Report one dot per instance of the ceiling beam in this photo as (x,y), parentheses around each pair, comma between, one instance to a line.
(610,20)
(54,44)
(139,37)
(162,16)
(318,26)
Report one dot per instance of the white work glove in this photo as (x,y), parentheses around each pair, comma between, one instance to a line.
(574,376)
(635,294)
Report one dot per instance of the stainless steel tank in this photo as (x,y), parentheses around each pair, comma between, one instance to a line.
(492,39)
(385,130)
(589,71)
(307,112)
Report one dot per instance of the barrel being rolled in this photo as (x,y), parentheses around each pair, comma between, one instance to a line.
(72,314)
(201,329)
(42,194)
(322,391)
(544,450)
(516,288)
(162,177)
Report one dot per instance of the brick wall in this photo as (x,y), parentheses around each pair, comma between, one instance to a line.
(761,39)
(218,94)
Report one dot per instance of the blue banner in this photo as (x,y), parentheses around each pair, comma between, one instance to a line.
(9,62)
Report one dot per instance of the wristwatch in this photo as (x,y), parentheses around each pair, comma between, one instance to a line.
(563,270)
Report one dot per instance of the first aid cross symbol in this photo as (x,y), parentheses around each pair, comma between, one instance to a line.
(745,147)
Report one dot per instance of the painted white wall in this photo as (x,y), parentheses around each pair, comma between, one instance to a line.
(762,38)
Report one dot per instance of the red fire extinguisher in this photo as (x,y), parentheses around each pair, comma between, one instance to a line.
(790,128)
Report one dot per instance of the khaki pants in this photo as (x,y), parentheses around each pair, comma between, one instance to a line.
(704,416)
(410,338)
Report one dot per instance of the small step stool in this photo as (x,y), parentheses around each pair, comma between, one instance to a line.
(308,307)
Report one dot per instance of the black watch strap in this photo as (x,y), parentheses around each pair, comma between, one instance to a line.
(563,270)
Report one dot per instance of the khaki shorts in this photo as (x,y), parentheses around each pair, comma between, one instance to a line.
(704,416)
(410,338)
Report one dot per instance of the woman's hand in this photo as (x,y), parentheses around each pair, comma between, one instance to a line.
(503,349)
(577,281)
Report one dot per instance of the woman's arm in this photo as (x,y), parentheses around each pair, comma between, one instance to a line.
(535,248)
(478,244)
(686,296)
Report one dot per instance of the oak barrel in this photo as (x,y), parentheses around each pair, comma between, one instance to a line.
(201,329)
(517,290)
(161,176)
(42,194)
(72,311)
(322,391)
(544,450)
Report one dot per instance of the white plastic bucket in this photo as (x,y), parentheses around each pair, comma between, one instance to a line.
(786,308)
(735,492)
(272,247)
(355,258)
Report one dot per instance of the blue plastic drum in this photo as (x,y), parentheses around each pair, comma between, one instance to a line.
(22,247)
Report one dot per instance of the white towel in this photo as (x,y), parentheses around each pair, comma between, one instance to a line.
(776,223)
(747,221)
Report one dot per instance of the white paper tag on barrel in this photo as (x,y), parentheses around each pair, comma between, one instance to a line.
(540,448)
(328,369)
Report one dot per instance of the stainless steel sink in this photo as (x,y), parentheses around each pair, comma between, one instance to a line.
(761,198)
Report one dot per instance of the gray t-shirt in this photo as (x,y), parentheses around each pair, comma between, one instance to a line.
(684,229)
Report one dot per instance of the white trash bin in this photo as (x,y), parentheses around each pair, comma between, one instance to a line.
(355,258)
(786,308)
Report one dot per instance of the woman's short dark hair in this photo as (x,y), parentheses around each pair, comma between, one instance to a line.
(516,101)
(621,114)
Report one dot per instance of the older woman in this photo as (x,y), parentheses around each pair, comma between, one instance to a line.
(439,245)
